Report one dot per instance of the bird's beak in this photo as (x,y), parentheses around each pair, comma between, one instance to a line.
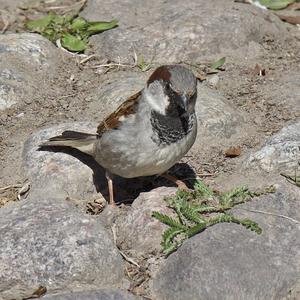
(185,102)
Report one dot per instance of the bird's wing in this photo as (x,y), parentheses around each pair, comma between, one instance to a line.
(128,107)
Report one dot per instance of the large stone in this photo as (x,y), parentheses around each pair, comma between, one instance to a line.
(285,91)
(45,241)
(216,118)
(280,153)
(76,177)
(138,230)
(24,58)
(105,294)
(228,261)
(181,30)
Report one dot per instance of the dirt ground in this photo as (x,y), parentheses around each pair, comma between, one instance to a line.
(264,93)
(69,91)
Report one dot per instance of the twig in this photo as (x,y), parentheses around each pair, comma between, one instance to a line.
(111,65)
(87,59)
(130,260)
(205,174)
(10,186)
(6,24)
(6,20)
(243,1)
(67,96)
(270,214)
(69,7)
(113,229)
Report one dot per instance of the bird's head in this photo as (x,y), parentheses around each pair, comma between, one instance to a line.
(172,90)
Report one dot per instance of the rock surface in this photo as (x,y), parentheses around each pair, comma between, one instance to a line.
(44,241)
(175,31)
(280,153)
(60,171)
(107,294)
(138,230)
(229,262)
(24,59)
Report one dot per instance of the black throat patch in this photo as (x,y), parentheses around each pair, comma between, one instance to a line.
(169,129)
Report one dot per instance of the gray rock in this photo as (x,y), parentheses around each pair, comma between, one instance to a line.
(24,59)
(285,91)
(280,153)
(294,292)
(216,118)
(44,241)
(179,30)
(105,294)
(138,230)
(61,172)
(229,262)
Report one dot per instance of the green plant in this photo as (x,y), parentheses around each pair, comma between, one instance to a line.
(73,32)
(142,64)
(201,208)
(276,4)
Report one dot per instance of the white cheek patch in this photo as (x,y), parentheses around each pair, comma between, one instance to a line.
(158,102)
(121,119)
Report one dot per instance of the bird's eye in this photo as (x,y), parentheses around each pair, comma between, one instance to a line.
(168,87)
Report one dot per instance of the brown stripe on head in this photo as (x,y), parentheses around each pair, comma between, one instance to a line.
(160,73)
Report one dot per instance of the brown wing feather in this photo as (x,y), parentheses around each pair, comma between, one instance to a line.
(113,120)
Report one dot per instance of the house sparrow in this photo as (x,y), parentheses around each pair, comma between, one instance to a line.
(148,133)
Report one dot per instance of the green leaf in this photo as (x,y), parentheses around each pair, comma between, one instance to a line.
(143,65)
(72,43)
(50,34)
(202,190)
(190,212)
(79,24)
(59,20)
(169,235)
(39,25)
(97,27)
(276,4)
(235,196)
(253,226)
(168,220)
(171,248)
(195,229)
(217,64)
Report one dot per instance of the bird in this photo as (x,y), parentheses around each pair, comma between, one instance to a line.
(148,133)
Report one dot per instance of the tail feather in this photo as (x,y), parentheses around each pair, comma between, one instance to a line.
(84,142)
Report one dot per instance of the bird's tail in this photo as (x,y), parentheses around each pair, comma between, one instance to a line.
(84,142)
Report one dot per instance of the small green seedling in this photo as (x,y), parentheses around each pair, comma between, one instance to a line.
(72,32)
(201,208)
(142,64)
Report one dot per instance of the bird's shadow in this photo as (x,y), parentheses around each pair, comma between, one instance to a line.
(126,189)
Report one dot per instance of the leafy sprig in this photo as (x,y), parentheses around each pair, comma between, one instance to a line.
(72,32)
(201,208)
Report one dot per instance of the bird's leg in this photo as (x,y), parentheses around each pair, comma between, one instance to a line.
(108,176)
(180,184)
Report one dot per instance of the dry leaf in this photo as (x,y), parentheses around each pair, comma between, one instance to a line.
(259,70)
(294,6)
(233,152)
(39,292)
(200,77)
(23,192)
(294,20)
